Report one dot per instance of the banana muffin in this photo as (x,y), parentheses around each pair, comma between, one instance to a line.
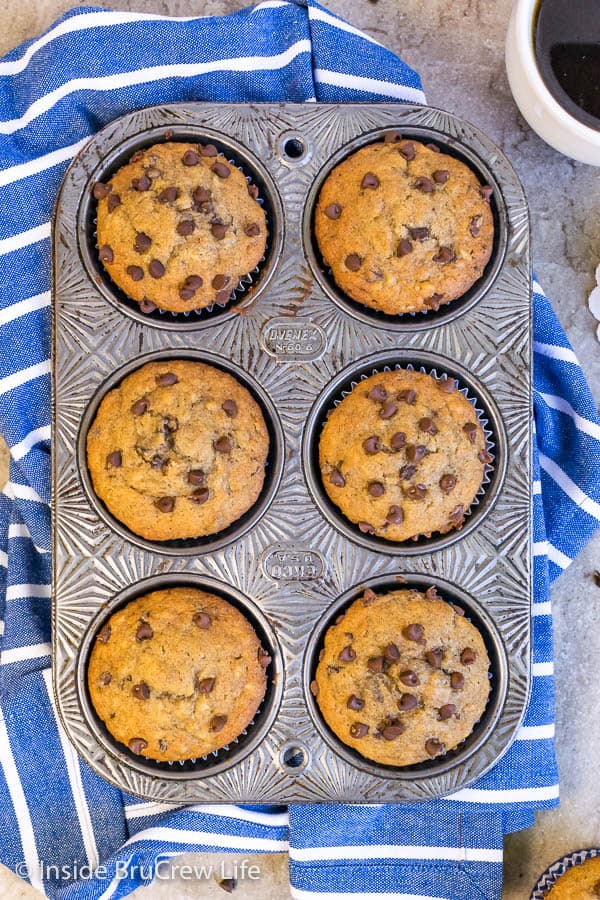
(402,677)
(404,227)
(178,226)
(176,674)
(403,455)
(580,882)
(178,450)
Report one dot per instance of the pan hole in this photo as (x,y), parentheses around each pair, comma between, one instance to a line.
(294,758)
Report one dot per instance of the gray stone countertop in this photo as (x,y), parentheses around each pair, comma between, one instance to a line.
(458,47)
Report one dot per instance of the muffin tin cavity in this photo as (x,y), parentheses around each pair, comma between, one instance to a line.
(273,468)
(485,409)
(496,651)
(251,285)
(218,760)
(455,147)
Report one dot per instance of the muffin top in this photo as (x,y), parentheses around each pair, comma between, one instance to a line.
(177,674)
(403,227)
(178,226)
(403,677)
(178,450)
(580,882)
(403,455)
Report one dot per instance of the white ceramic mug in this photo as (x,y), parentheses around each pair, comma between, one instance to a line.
(553,123)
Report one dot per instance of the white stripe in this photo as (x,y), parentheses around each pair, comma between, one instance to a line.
(22,531)
(25,238)
(558,557)
(40,163)
(554,352)
(537,287)
(30,304)
(542,609)
(15,789)
(209,839)
(4,559)
(1,627)
(535,732)
(394,851)
(543,668)
(371,85)
(21,492)
(138,810)
(18,451)
(320,15)
(510,795)
(268,4)
(10,382)
(74,773)
(18,591)
(563,406)
(569,487)
(21,654)
(537,487)
(540,548)
(299,894)
(154,73)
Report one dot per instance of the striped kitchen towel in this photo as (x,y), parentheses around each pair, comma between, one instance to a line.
(56,816)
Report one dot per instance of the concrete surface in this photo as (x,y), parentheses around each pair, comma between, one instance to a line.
(458,48)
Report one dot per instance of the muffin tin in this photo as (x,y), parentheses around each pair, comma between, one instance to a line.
(297,343)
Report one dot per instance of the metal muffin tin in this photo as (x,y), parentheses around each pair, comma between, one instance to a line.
(292,563)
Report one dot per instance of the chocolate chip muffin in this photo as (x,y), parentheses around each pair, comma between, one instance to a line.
(580,882)
(177,674)
(178,450)
(403,455)
(403,677)
(404,227)
(178,226)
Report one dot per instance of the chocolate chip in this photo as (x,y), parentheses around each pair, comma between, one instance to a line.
(447,483)
(220,281)
(199,496)
(333,211)
(408,396)
(369,597)
(434,747)
(106,254)
(162,745)
(201,620)
(475,225)
(407,472)
(398,440)
(448,385)
(347,655)
(486,192)
(370,180)
(136,273)
(434,302)
(105,678)
(416,492)
(376,489)
(142,242)
(190,158)
(457,609)
(470,429)
(147,306)
(406,702)
(206,685)
(223,444)
(165,504)
(419,234)
(434,148)
(140,406)
(446,711)
(137,156)
(218,231)
(441,176)
(337,478)
(355,702)
(142,184)
(100,190)
(136,745)
(186,293)
(228,885)
(434,657)
(353,262)
(395,516)
(166,379)
(252,230)
(372,445)
(169,195)
(444,255)
(407,150)
(196,477)
(114,459)
(220,170)
(314,688)
(376,664)
(359,730)
(113,201)
(413,632)
(264,659)
(156,268)
(253,191)
(404,248)
(392,653)
(415,452)
(427,425)
(468,656)
(222,296)
(409,678)
(485,457)
(392,731)
(423,184)
(457,681)
(208,150)
(392,137)
(388,409)
(217,723)
(377,393)
(104,635)
(144,632)
(186,227)
(366,527)
(141,691)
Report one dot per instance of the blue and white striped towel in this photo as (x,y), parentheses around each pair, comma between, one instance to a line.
(88,68)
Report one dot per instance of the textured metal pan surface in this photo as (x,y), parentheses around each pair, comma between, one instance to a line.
(295,339)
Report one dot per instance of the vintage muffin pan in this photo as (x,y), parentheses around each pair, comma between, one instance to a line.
(298,344)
